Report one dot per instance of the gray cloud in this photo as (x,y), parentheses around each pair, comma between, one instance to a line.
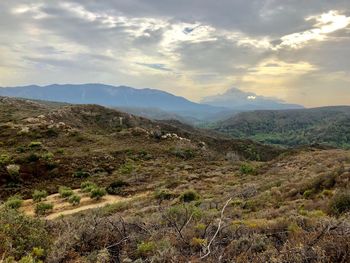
(193,48)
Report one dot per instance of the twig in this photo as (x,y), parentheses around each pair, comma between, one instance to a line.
(217,230)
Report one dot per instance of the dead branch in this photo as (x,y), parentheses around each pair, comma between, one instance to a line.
(207,248)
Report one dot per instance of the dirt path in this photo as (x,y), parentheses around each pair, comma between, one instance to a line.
(62,207)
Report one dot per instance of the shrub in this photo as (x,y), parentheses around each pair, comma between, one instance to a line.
(81,174)
(65,191)
(185,154)
(21,149)
(246,168)
(198,242)
(31,158)
(145,249)
(115,188)
(87,186)
(48,156)
(38,252)
(38,195)
(4,159)
(13,171)
(189,196)
(35,144)
(74,199)
(21,234)
(14,202)
(308,193)
(179,215)
(43,208)
(97,193)
(126,168)
(340,203)
(60,151)
(163,194)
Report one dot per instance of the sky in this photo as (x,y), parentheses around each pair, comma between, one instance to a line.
(297,51)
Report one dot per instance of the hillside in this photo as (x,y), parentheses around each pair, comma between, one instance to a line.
(112,96)
(101,185)
(327,125)
(86,132)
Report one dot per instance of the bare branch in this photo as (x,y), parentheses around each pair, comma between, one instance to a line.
(217,230)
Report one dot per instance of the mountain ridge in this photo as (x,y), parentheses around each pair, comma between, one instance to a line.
(107,93)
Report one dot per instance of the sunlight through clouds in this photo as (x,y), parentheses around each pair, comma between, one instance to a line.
(326,23)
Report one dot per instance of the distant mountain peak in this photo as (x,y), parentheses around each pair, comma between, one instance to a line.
(237,99)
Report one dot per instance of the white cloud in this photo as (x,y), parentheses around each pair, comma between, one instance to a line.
(326,23)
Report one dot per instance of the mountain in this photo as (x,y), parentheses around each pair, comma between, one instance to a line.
(246,101)
(112,96)
(326,125)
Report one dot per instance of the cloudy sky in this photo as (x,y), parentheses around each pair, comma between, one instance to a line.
(298,51)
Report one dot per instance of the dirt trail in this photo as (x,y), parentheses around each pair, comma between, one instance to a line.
(62,207)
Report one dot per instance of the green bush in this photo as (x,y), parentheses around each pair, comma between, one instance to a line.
(74,199)
(246,168)
(21,234)
(189,196)
(87,186)
(48,156)
(60,151)
(145,249)
(13,171)
(81,174)
(4,159)
(340,203)
(39,195)
(65,191)
(115,188)
(14,202)
(97,193)
(185,154)
(43,208)
(163,194)
(126,168)
(180,214)
(308,193)
(35,144)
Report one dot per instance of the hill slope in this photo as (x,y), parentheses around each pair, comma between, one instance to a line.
(85,132)
(327,125)
(174,192)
